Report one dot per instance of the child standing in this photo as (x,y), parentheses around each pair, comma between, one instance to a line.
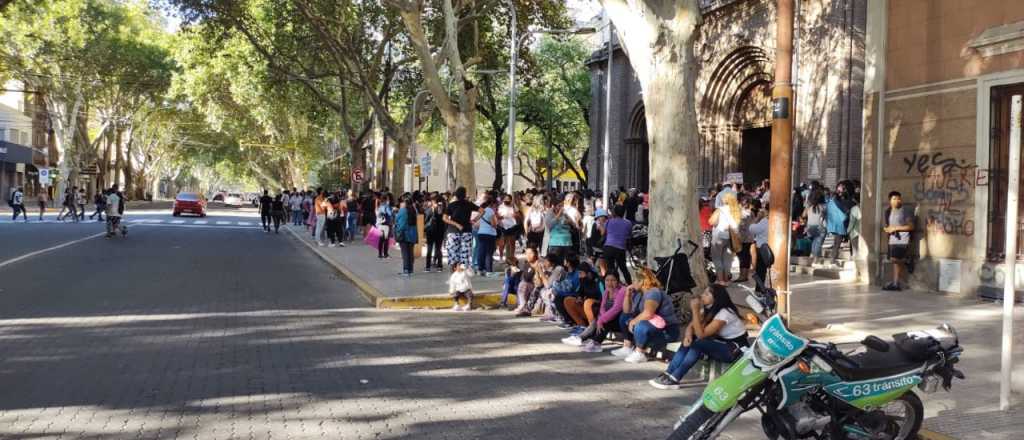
(459,285)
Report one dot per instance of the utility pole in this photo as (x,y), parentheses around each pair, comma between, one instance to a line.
(1010,281)
(781,177)
(513,49)
(606,155)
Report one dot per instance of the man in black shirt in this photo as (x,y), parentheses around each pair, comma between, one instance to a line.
(266,207)
(460,230)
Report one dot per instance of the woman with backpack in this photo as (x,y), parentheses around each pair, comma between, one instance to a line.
(405,233)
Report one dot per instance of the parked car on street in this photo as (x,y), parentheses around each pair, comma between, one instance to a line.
(191,203)
(234,199)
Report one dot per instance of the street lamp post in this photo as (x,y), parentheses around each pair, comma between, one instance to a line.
(513,59)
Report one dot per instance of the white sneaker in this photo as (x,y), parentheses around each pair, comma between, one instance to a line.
(466,307)
(456,308)
(636,357)
(622,352)
(320,243)
(574,341)
(591,347)
(331,245)
(341,244)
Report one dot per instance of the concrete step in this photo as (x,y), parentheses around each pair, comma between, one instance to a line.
(845,270)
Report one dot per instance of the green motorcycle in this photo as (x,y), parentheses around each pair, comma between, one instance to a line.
(807,389)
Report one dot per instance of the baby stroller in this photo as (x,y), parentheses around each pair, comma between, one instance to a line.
(638,245)
(674,274)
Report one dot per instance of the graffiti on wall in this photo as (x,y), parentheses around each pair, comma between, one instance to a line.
(945,185)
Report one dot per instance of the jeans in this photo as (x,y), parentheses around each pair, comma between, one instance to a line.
(350,225)
(266,218)
(599,335)
(647,335)
(816,234)
(296,217)
(407,256)
(837,243)
(485,252)
(321,222)
(687,357)
(434,251)
(509,287)
(616,259)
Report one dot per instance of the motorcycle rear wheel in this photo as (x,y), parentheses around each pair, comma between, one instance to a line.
(702,417)
(913,415)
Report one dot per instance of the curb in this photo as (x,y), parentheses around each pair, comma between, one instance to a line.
(369,292)
(925,434)
(381,301)
(486,299)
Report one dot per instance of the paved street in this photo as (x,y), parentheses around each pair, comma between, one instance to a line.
(214,332)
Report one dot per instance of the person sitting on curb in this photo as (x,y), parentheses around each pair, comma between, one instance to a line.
(460,286)
(581,307)
(716,332)
(527,291)
(612,296)
(552,274)
(649,318)
(568,287)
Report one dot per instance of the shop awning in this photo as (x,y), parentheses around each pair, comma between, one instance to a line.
(15,153)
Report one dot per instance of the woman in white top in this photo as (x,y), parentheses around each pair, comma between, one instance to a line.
(508,220)
(716,332)
(725,223)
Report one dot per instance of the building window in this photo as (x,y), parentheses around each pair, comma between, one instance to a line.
(999,154)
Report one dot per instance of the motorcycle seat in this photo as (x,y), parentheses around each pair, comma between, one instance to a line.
(873,364)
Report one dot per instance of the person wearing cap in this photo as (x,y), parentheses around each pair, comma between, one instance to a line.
(616,232)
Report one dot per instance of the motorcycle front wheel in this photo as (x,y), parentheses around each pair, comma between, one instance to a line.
(702,417)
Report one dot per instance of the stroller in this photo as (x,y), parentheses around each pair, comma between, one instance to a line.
(674,274)
(638,245)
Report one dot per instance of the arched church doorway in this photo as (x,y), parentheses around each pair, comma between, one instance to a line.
(637,165)
(756,154)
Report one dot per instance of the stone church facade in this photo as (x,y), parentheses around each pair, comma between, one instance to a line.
(735,52)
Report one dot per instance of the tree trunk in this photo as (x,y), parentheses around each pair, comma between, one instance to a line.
(118,156)
(401,151)
(129,171)
(659,37)
(462,131)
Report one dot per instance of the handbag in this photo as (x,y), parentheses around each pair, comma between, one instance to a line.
(658,322)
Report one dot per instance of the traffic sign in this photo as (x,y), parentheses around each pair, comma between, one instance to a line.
(357,175)
(425,163)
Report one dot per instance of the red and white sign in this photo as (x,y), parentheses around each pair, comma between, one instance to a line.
(357,175)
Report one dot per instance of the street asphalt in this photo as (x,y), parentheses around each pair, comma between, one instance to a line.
(220,330)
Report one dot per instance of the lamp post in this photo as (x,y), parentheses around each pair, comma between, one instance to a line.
(513,59)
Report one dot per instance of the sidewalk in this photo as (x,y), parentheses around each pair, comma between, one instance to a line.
(846,313)
(825,310)
(380,282)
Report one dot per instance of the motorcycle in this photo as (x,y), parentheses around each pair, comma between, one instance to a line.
(808,389)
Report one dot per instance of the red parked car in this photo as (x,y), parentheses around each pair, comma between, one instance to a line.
(191,203)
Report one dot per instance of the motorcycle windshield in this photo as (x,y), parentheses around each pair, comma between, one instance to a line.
(776,345)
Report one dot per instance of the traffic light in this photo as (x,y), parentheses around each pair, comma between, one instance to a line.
(416,171)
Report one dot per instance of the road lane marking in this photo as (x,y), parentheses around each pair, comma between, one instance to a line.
(178,222)
(52,248)
(244,223)
(223,223)
(138,220)
(168,225)
(200,222)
